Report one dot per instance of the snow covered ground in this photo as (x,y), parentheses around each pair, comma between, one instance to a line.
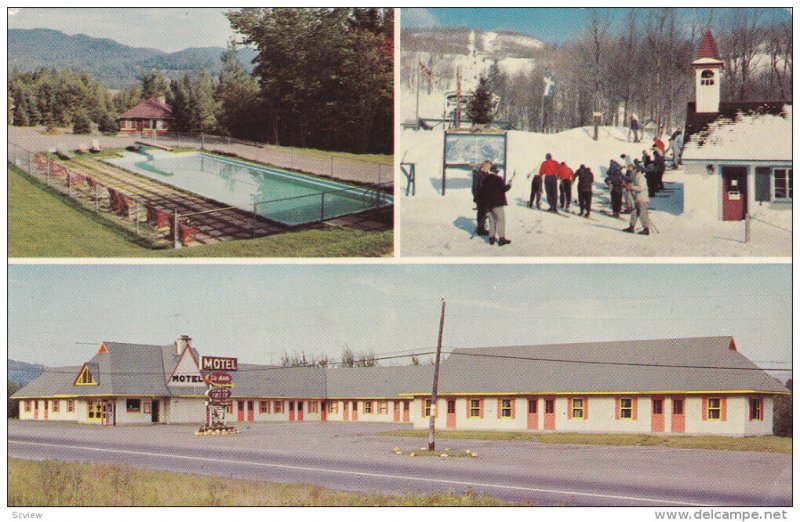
(434,225)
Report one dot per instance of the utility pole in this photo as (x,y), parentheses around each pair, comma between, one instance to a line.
(434,395)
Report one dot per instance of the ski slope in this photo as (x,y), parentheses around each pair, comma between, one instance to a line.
(436,225)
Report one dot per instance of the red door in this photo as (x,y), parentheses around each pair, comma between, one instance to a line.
(35,410)
(397,411)
(678,424)
(299,410)
(734,193)
(657,414)
(451,413)
(533,414)
(323,412)
(406,411)
(345,410)
(45,409)
(240,411)
(355,410)
(291,410)
(250,411)
(549,414)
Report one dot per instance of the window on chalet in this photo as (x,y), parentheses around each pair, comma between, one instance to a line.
(85,378)
(505,409)
(56,406)
(783,184)
(756,409)
(333,407)
(427,412)
(70,406)
(313,407)
(578,407)
(383,406)
(263,406)
(714,408)
(278,406)
(27,405)
(475,408)
(93,410)
(532,405)
(133,405)
(367,406)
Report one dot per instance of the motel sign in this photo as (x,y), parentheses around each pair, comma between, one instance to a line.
(229,364)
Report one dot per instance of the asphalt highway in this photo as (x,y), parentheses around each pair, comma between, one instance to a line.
(351,457)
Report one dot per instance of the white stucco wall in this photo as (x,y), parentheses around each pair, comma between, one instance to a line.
(181,410)
(701,191)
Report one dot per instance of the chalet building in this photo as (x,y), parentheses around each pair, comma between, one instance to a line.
(737,155)
(150,117)
(679,386)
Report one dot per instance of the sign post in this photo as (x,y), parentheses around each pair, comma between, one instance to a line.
(218,394)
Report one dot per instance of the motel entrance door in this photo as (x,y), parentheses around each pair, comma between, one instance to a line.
(240,411)
(107,414)
(734,193)
(396,411)
(355,410)
(250,410)
(323,411)
(154,412)
(657,415)
(678,424)
(45,408)
(299,410)
(345,410)
(36,409)
(291,410)
(533,414)
(549,414)
(406,411)
(451,413)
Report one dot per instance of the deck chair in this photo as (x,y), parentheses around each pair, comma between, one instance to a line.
(158,218)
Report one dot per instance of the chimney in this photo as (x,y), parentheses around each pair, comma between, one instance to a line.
(707,72)
(183,342)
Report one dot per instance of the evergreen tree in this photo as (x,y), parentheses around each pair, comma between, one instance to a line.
(154,85)
(107,124)
(782,414)
(81,124)
(479,109)
(13,404)
(236,97)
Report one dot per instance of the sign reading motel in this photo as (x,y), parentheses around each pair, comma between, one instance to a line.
(229,364)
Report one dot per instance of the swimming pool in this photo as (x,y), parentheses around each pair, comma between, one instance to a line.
(279,195)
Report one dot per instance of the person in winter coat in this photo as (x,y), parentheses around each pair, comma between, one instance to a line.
(676,145)
(635,128)
(478,176)
(493,198)
(639,190)
(536,191)
(616,183)
(649,172)
(550,170)
(566,176)
(585,182)
(629,167)
(658,144)
(660,166)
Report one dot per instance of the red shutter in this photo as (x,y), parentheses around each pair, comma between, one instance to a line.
(616,408)
(423,407)
(499,407)
(513,408)
(586,408)
(722,406)
(569,408)
(481,406)
(634,407)
(469,405)
(705,408)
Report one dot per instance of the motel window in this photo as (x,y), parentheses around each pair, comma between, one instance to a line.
(278,407)
(782,179)
(133,405)
(383,407)
(333,407)
(578,406)
(367,406)
(56,405)
(427,408)
(451,406)
(756,409)
(93,410)
(27,405)
(626,408)
(714,408)
(658,407)
(263,407)
(549,406)
(505,408)
(677,406)
(313,407)
(85,378)
(70,406)
(475,408)
(532,405)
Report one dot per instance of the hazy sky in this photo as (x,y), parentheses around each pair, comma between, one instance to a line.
(169,30)
(551,25)
(256,312)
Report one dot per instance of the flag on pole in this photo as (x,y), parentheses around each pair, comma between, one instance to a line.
(549,84)
(425,69)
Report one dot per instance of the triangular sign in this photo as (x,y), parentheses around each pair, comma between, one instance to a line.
(187,372)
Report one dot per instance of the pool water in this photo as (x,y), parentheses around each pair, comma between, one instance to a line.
(301,199)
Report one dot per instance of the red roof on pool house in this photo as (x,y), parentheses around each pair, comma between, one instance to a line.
(149,109)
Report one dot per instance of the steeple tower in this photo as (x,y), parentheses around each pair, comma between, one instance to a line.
(707,73)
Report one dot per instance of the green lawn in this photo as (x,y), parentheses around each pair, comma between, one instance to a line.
(766,443)
(383,159)
(50,483)
(44,223)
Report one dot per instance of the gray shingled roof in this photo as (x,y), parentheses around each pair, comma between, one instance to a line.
(378,381)
(595,367)
(252,380)
(52,381)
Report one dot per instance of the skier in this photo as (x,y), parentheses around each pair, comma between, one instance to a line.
(660,166)
(492,197)
(649,172)
(658,144)
(550,169)
(639,190)
(536,190)
(635,128)
(629,167)
(616,183)
(585,179)
(676,145)
(566,176)
(478,176)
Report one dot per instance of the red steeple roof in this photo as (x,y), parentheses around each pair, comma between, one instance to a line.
(708,47)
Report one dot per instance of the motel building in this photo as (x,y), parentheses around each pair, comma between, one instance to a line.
(672,386)
(151,116)
(737,156)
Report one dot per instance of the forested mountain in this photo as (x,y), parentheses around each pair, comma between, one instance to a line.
(22,373)
(113,64)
